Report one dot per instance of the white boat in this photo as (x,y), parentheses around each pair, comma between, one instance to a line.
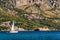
(12,29)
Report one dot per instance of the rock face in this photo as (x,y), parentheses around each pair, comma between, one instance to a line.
(26,2)
(17,3)
(7,3)
(54,3)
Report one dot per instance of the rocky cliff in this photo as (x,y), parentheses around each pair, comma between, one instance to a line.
(41,13)
(46,3)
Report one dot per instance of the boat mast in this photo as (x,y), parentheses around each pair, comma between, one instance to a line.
(12,28)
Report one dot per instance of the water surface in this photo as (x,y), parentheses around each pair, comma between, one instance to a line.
(30,35)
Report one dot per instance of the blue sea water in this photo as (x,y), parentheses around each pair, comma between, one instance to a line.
(30,35)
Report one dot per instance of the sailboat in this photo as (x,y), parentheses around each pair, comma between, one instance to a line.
(12,29)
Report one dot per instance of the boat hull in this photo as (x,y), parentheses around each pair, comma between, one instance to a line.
(13,31)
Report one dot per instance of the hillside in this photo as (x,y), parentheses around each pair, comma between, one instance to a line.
(47,17)
(9,15)
(31,16)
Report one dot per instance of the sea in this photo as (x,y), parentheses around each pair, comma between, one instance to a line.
(30,35)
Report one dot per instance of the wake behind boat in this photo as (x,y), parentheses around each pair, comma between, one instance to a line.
(12,29)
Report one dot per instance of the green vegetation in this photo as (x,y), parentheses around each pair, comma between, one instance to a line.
(4,28)
(24,22)
(47,18)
